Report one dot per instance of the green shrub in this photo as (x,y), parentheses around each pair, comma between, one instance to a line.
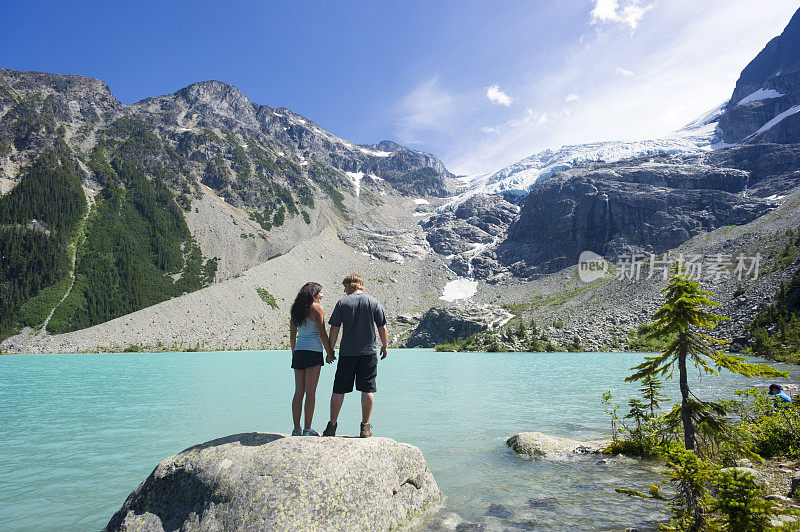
(740,502)
(448,347)
(644,339)
(268,298)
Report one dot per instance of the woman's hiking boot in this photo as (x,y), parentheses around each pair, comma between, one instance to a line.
(330,430)
(366,430)
(310,432)
(297,432)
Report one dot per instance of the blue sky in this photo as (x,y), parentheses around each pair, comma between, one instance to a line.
(480,84)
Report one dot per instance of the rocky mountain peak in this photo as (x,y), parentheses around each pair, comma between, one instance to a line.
(33,81)
(766,100)
(216,93)
(780,57)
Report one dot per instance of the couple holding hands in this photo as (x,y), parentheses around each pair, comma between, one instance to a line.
(357,316)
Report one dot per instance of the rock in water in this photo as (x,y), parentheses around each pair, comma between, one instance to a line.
(539,444)
(259,481)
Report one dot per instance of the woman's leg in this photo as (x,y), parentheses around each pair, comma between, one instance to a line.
(312,377)
(297,400)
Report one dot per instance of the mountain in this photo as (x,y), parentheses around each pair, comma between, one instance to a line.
(172,193)
(645,205)
(728,167)
(765,102)
(189,220)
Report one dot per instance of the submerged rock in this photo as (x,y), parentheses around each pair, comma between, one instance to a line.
(498,510)
(260,481)
(542,502)
(539,444)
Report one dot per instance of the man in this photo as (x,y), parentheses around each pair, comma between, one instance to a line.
(357,314)
(780,395)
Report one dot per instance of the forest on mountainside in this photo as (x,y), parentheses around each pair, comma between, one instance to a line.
(134,251)
(38,218)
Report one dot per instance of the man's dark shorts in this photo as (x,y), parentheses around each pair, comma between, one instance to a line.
(361,369)
(304,359)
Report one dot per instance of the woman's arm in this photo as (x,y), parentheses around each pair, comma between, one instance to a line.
(292,334)
(323,334)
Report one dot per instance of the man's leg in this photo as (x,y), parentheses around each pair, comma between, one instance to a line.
(367,402)
(336,405)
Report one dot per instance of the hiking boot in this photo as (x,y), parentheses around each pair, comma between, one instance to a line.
(297,432)
(310,432)
(366,430)
(330,430)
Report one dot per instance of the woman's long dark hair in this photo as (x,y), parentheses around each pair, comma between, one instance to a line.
(303,301)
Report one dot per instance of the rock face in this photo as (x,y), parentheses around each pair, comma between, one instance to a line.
(646,205)
(538,444)
(441,325)
(258,481)
(465,231)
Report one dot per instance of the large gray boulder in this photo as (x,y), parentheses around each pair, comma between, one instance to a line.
(260,481)
(540,444)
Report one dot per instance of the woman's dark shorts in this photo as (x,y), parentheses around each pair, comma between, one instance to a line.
(303,359)
(361,369)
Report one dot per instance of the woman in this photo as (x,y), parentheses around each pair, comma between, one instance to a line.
(308,337)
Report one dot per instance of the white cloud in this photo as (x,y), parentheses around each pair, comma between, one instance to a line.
(683,60)
(497,96)
(606,11)
(571,97)
(427,107)
(536,118)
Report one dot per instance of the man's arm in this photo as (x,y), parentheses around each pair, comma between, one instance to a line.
(333,336)
(384,341)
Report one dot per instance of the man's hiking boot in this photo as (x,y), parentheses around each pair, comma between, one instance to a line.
(366,430)
(330,430)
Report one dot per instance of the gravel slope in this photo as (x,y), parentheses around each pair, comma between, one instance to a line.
(231,314)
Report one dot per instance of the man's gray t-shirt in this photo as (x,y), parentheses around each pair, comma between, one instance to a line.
(358,314)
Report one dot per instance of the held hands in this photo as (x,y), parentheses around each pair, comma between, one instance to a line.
(330,358)
(384,351)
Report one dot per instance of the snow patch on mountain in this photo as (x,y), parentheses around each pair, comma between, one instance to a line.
(760,94)
(769,125)
(375,153)
(356,177)
(459,289)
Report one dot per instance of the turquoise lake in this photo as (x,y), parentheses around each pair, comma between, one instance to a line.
(79,432)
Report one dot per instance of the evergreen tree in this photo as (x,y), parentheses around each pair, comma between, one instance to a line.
(637,412)
(651,392)
(682,317)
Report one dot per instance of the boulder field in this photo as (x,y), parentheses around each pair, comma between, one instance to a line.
(261,481)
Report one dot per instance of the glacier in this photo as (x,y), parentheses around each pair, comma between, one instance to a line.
(517,179)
